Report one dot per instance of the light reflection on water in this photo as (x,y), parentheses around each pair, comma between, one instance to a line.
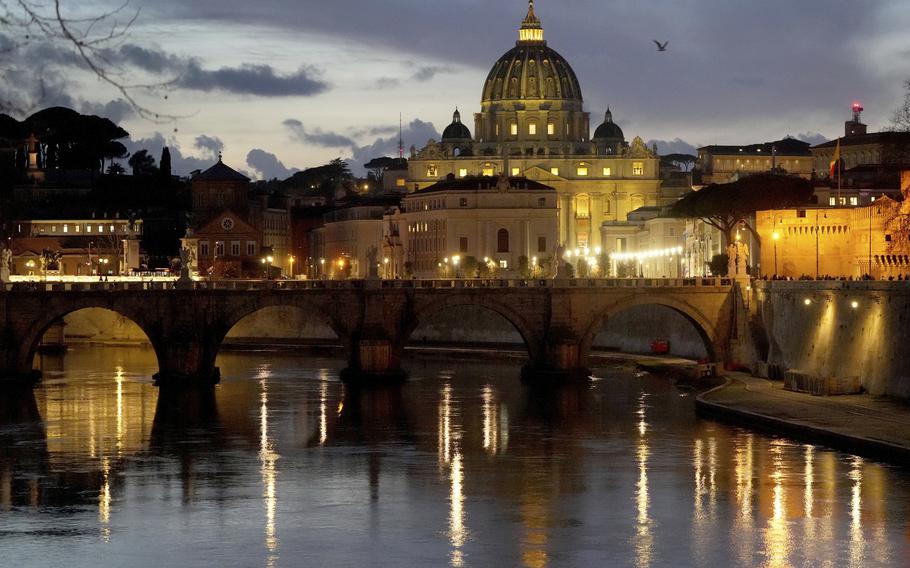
(281,465)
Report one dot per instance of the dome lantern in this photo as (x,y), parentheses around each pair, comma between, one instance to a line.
(531,30)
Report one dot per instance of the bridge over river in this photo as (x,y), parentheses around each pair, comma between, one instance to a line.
(373,319)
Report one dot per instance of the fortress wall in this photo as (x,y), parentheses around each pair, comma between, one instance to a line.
(829,337)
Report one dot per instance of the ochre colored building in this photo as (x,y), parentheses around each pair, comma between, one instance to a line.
(838,242)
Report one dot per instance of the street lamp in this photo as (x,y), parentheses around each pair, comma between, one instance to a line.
(776,237)
(322,267)
(291,259)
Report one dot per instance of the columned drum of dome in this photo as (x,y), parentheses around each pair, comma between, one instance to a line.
(532,94)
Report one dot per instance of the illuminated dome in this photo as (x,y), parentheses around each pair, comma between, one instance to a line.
(531,70)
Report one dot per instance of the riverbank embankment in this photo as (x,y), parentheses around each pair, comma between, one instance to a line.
(872,426)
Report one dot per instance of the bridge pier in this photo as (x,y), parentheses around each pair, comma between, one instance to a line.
(373,361)
(557,360)
(186,364)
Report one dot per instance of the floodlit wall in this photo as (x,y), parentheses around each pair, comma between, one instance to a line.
(840,329)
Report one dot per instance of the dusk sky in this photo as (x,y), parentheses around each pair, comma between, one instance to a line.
(284,84)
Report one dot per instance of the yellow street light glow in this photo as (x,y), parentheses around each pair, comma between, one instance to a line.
(775,235)
(270,259)
(807,301)
(854,304)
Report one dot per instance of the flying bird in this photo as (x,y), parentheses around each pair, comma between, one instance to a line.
(661,46)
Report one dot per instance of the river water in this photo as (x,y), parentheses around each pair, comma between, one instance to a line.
(462,466)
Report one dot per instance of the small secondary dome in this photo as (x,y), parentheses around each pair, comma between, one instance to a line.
(609,130)
(457,130)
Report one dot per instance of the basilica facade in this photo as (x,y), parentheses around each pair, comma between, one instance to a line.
(532,124)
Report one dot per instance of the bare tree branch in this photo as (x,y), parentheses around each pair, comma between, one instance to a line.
(92,39)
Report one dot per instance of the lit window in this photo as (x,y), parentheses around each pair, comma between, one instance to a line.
(504,264)
(554,171)
(463,172)
(842,201)
(53,228)
(582,170)
(100,228)
(832,201)
(853,201)
(111,228)
(432,171)
(516,171)
(638,168)
(532,129)
(551,129)
(400,182)
(582,207)
(489,172)
(78,228)
(66,228)
(88,228)
(514,129)
(608,172)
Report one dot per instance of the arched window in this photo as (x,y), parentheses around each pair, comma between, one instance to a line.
(582,207)
(502,240)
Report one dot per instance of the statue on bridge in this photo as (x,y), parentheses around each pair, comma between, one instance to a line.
(372,263)
(738,260)
(6,259)
(559,263)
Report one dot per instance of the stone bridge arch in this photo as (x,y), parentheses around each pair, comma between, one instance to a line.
(54,311)
(531,334)
(713,335)
(233,312)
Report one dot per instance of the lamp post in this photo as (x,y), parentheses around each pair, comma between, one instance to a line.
(776,237)
(291,260)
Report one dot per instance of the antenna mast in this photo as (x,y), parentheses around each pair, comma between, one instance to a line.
(400,139)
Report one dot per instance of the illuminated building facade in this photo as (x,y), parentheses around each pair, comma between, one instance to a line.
(451,227)
(724,164)
(838,241)
(236,230)
(532,124)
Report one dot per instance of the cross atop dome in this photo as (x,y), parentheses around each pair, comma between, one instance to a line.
(531,30)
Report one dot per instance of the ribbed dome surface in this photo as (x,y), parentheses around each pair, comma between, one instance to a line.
(531,71)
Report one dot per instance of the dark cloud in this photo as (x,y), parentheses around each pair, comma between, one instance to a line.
(426,73)
(116,110)
(180,164)
(317,136)
(260,80)
(246,79)
(387,83)
(675,146)
(211,145)
(415,133)
(267,165)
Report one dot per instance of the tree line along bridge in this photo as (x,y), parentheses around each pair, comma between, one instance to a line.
(373,319)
